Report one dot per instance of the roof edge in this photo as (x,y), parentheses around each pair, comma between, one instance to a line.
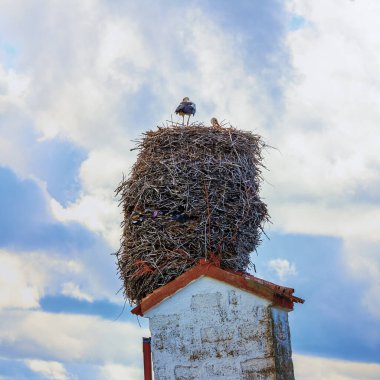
(280,296)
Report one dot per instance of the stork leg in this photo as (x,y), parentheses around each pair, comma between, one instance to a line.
(183,119)
(188,120)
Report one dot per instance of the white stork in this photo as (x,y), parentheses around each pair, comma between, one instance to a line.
(186,107)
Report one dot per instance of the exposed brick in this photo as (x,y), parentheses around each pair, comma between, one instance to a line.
(220,369)
(258,369)
(216,334)
(259,329)
(164,321)
(249,331)
(164,339)
(182,372)
(205,301)
(161,373)
(260,312)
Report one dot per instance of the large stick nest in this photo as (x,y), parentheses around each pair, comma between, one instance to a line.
(192,193)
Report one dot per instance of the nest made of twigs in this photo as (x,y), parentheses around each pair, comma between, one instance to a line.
(192,193)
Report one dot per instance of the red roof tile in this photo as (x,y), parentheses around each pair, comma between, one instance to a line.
(279,295)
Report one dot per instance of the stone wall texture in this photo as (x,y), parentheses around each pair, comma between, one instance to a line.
(211,330)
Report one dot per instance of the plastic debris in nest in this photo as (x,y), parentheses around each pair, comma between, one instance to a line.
(192,193)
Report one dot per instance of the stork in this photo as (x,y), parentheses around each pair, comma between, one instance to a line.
(186,107)
(215,123)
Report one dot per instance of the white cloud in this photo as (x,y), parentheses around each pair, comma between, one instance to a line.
(114,58)
(363,264)
(73,290)
(216,53)
(120,372)
(13,86)
(97,212)
(69,338)
(78,84)
(107,63)
(328,166)
(26,277)
(20,286)
(325,179)
(355,220)
(97,208)
(49,369)
(317,368)
(331,103)
(283,268)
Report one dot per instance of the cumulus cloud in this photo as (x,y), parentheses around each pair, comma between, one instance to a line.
(325,178)
(116,81)
(322,169)
(24,204)
(354,221)
(13,86)
(110,74)
(69,338)
(363,264)
(119,372)
(318,368)
(26,277)
(16,287)
(48,369)
(119,67)
(73,290)
(283,268)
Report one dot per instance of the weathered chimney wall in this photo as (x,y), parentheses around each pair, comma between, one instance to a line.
(212,330)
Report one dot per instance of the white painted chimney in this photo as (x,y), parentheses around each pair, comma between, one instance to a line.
(210,324)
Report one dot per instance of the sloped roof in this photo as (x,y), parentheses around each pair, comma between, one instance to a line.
(280,296)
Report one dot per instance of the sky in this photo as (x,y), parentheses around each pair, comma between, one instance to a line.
(80,80)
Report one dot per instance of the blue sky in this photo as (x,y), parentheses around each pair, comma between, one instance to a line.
(80,80)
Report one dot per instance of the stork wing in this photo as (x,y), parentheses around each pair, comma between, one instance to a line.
(187,108)
(180,107)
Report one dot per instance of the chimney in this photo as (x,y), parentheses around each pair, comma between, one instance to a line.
(210,323)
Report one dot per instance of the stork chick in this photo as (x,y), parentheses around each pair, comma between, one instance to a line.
(215,123)
(186,107)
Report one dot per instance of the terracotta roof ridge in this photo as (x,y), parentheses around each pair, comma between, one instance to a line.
(283,289)
(280,295)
